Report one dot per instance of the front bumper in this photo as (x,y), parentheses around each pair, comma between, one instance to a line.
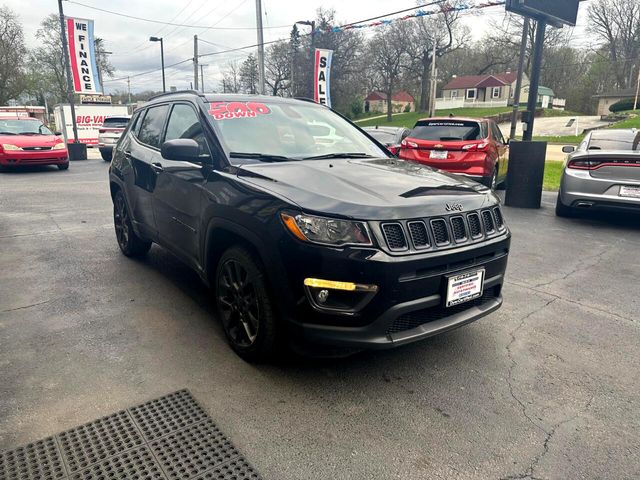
(411,289)
(580,190)
(45,157)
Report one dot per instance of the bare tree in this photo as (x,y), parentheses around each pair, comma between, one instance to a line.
(231,78)
(248,75)
(443,29)
(278,68)
(388,49)
(616,23)
(12,54)
(48,59)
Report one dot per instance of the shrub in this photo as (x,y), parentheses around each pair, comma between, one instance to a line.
(356,107)
(621,105)
(407,108)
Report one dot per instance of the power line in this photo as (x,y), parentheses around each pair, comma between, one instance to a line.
(133,17)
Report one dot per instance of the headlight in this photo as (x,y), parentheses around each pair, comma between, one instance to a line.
(8,146)
(327,231)
(59,146)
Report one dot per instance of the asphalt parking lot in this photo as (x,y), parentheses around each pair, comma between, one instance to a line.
(547,387)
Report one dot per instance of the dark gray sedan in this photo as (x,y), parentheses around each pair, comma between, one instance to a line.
(603,173)
(390,137)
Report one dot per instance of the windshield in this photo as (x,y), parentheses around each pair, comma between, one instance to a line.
(620,140)
(443,130)
(22,127)
(291,131)
(115,122)
(382,137)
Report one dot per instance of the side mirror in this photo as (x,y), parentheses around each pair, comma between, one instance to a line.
(181,149)
(568,149)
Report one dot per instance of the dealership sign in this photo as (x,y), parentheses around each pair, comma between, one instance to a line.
(84,70)
(322,73)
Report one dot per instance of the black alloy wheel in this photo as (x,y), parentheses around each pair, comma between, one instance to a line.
(130,244)
(244,305)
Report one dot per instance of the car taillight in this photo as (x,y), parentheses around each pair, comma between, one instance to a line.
(394,149)
(101,130)
(582,164)
(408,144)
(475,147)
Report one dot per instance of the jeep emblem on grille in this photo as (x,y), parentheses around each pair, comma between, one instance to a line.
(453,207)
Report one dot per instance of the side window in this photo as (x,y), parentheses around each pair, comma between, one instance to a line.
(405,134)
(135,123)
(497,133)
(184,123)
(150,131)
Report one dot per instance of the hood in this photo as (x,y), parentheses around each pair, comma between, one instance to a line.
(378,189)
(30,140)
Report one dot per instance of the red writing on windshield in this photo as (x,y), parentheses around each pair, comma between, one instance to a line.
(230,110)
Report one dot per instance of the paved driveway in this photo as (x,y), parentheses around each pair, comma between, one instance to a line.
(558,126)
(547,387)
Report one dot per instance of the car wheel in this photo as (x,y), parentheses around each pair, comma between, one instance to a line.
(245,307)
(106,156)
(562,210)
(63,166)
(130,244)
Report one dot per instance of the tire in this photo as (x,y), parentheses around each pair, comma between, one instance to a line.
(492,181)
(245,307)
(130,244)
(562,210)
(63,166)
(106,155)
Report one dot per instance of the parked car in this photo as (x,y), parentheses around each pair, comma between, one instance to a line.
(466,146)
(390,137)
(305,242)
(109,134)
(603,173)
(27,141)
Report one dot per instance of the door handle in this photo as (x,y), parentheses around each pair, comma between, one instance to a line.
(157,167)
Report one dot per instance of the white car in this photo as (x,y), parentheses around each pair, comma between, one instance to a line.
(109,134)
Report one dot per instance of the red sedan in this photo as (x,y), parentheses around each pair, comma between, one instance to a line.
(475,148)
(26,141)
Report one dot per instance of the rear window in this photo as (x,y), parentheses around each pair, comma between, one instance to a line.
(382,137)
(447,130)
(115,122)
(621,140)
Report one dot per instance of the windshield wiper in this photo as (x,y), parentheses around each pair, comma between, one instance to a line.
(340,155)
(263,157)
(7,133)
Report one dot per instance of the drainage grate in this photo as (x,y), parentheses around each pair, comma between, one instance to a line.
(168,438)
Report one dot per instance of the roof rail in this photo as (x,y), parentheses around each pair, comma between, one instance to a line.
(195,92)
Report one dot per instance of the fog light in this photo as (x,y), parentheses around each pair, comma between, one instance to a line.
(323,295)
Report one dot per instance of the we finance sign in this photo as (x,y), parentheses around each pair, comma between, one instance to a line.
(84,69)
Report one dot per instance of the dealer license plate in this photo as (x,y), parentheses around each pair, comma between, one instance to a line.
(632,192)
(464,287)
(438,154)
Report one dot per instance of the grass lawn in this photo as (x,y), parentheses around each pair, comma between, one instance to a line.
(409,119)
(552,171)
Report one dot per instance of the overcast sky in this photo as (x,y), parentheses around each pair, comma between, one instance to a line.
(133,54)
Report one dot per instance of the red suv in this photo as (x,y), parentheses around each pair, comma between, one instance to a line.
(475,148)
(26,141)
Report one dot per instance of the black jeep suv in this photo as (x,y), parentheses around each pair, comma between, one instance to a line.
(308,231)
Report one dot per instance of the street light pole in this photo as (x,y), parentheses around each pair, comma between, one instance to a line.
(312,24)
(159,39)
(67,66)
(195,61)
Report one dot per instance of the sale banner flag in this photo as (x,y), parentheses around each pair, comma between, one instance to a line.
(322,75)
(84,69)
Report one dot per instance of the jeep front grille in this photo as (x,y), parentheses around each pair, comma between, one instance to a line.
(442,232)
(394,235)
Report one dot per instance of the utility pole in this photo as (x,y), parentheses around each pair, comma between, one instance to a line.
(516,95)
(195,61)
(432,92)
(67,66)
(129,88)
(541,26)
(260,47)
(635,102)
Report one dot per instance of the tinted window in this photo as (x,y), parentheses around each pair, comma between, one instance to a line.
(620,140)
(184,123)
(151,129)
(443,130)
(116,122)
